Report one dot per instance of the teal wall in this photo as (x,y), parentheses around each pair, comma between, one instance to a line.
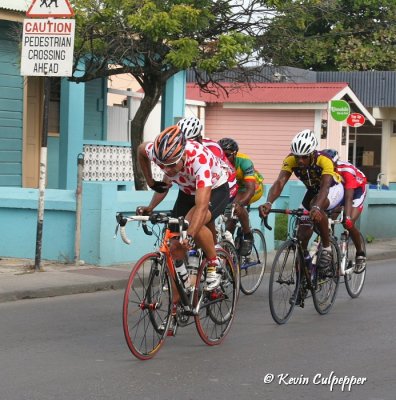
(11,107)
(101,202)
(95,124)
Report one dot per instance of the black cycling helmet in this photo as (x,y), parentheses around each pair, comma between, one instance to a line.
(228,144)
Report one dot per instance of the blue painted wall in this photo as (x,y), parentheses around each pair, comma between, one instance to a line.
(11,108)
(101,201)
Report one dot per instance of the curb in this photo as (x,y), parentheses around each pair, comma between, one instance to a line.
(63,290)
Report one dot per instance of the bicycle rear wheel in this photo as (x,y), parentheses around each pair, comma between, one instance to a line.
(354,281)
(252,267)
(326,281)
(147,306)
(217,307)
(284,282)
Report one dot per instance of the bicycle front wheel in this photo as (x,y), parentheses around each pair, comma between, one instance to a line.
(252,267)
(216,308)
(325,282)
(232,251)
(354,281)
(284,282)
(147,306)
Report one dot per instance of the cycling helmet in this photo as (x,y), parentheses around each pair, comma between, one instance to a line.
(228,144)
(304,143)
(191,127)
(169,145)
(333,154)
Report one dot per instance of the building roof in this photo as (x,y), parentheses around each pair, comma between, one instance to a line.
(15,5)
(278,93)
(269,93)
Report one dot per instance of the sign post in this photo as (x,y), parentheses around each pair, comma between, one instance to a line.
(47,50)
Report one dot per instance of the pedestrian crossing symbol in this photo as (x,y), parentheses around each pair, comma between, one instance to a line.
(50,8)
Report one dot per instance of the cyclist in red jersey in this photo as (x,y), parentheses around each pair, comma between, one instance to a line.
(203,192)
(192,128)
(354,182)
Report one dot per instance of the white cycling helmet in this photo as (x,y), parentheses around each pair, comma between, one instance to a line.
(191,127)
(304,143)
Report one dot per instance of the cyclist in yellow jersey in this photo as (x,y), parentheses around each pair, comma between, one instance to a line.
(324,189)
(250,189)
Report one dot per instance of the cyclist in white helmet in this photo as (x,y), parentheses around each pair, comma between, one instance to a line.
(324,188)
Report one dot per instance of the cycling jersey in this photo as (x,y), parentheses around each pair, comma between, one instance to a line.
(201,168)
(311,175)
(215,148)
(352,177)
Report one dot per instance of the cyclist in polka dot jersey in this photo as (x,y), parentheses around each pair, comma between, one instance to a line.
(202,179)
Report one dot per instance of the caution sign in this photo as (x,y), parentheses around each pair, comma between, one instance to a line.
(50,8)
(47,47)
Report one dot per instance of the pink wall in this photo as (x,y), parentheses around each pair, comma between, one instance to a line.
(264,135)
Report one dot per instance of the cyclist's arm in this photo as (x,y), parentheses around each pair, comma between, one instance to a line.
(243,198)
(277,187)
(348,201)
(145,164)
(325,183)
(201,213)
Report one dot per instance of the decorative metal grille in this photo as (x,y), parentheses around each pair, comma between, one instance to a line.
(110,163)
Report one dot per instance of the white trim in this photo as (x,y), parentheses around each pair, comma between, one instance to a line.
(348,91)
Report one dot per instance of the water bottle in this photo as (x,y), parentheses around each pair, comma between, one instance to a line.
(228,236)
(193,262)
(313,253)
(182,273)
(343,246)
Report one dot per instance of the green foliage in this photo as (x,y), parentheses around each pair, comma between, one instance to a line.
(332,35)
(281,227)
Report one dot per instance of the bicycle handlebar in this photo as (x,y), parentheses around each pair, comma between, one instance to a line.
(154,218)
(298,212)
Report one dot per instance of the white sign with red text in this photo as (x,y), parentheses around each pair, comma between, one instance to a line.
(47,47)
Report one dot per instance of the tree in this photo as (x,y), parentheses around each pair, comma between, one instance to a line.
(154,39)
(332,34)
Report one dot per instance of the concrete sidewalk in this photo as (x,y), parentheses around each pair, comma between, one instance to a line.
(18,279)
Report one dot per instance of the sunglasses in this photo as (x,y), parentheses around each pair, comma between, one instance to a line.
(302,157)
(229,155)
(171,165)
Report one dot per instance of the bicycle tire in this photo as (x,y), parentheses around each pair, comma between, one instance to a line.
(354,282)
(252,267)
(326,282)
(147,304)
(216,308)
(284,283)
(232,251)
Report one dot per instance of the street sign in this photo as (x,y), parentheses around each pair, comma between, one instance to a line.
(355,120)
(339,110)
(47,47)
(50,8)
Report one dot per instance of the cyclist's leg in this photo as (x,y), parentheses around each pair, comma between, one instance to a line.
(204,237)
(357,208)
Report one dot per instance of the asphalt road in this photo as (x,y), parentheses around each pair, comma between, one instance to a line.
(72,347)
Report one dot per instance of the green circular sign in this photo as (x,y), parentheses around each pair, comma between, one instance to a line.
(339,110)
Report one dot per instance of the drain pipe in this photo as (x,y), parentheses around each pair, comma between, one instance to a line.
(77,236)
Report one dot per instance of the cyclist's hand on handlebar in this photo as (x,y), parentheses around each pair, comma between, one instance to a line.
(348,223)
(143,210)
(264,210)
(160,186)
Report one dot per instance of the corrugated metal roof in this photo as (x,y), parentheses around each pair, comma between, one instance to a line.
(269,93)
(373,88)
(15,5)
